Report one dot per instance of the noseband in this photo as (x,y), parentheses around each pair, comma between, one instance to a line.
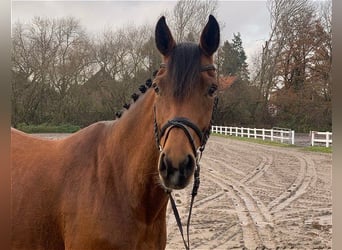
(184,124)
(203,135)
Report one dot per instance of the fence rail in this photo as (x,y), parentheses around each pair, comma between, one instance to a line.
(281,135)
(320,138)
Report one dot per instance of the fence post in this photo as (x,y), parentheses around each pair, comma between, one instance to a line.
(255,133)
(327,139)
(263,134)
(293,136)
(248,133)
(282,136)
(312,138)
(271,134)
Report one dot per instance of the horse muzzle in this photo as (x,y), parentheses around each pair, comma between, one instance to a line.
(176,174)
(176,162)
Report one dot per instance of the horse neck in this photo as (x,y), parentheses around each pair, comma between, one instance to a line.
(136,155)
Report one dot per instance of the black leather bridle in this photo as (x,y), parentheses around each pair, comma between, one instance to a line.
(184,124)
(203,135)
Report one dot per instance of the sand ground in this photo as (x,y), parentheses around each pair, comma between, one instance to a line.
(255,196)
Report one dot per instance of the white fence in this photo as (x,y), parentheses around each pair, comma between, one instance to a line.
(320,138)
(282,135)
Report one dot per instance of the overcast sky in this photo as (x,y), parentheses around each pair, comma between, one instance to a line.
(250,18)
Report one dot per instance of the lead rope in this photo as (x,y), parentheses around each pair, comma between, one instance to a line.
(193,194)
(196,181)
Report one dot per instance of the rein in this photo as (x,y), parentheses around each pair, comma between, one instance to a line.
(185,124)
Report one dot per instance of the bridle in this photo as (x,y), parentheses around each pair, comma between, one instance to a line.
(184,124)
(203,135)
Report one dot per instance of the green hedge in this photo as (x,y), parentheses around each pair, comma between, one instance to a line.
(48,128)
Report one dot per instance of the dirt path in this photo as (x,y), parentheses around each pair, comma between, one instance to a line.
(258,197)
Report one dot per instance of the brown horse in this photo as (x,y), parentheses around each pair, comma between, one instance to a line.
(104,186)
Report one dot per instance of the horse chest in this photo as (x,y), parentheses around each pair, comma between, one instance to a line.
(100,237)
(112,228)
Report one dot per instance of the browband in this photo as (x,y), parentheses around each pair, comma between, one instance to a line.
(205,67)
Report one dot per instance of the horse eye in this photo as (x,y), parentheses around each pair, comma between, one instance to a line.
(212,89)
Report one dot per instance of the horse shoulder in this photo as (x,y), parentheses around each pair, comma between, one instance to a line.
(34,195)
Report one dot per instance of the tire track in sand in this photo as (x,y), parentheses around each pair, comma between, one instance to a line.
(306,177)
(255,221)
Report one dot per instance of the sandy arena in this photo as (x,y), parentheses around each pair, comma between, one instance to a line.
(255,196)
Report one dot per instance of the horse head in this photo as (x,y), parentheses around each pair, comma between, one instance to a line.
(185,88)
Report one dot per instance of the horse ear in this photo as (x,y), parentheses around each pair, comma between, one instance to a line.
(210,37)
(164,40)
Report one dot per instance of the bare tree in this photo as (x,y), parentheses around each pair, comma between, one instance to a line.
(189,17)
(33,52)
(49,55)
(55,64)
(110,51)
(122,51)
(292,59)
(281,12)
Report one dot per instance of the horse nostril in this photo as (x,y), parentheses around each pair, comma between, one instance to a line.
(163,165)
(187,166)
